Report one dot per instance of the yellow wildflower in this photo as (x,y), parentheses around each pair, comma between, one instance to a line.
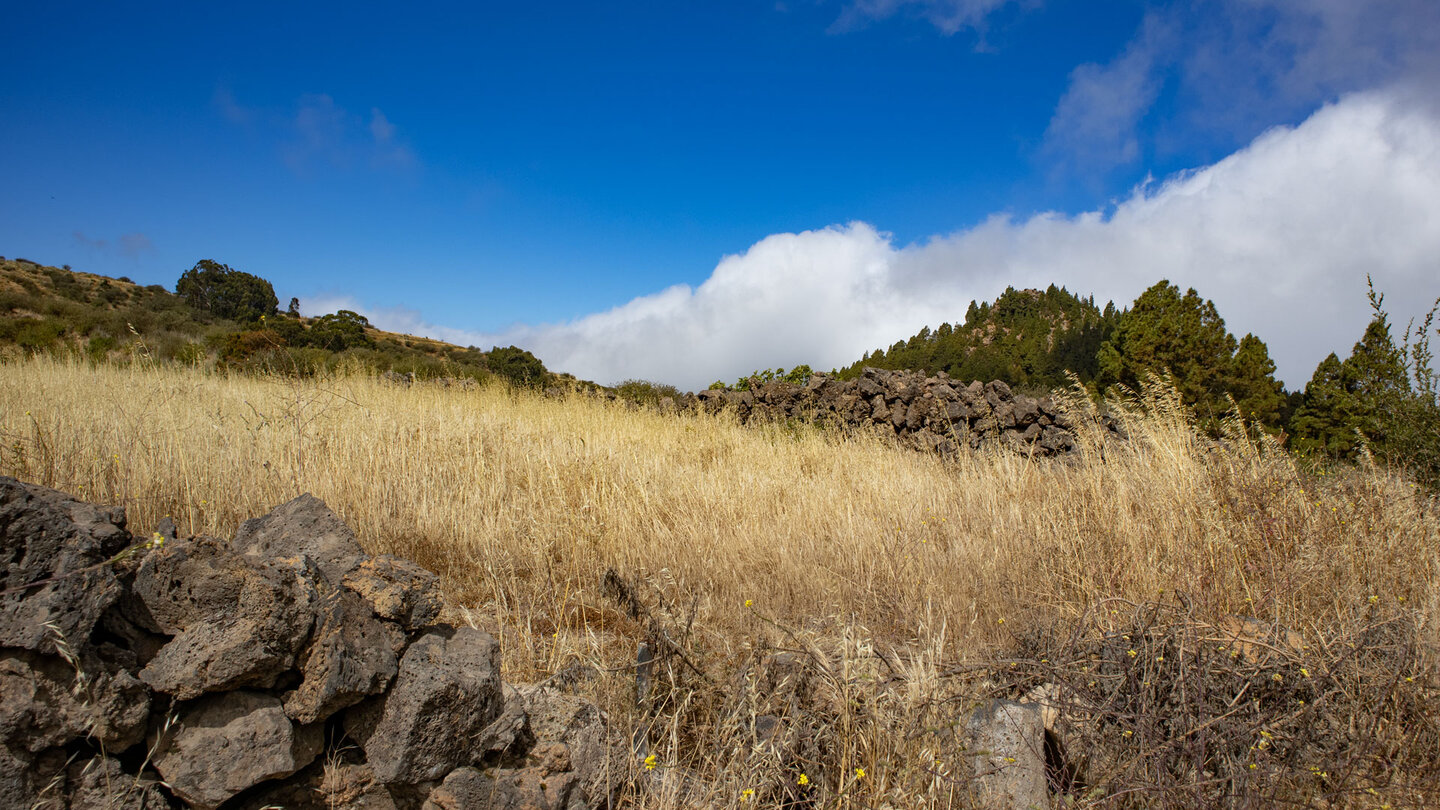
(803,780)
(650,763)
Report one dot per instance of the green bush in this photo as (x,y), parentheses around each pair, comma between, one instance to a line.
(646,391)
(100,346)
(39,335)
(517,366)
(338,332)
(227,293)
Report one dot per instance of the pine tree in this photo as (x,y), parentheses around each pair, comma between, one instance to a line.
(1253,385)
(1184,335)
(1362,396)
(1327,418)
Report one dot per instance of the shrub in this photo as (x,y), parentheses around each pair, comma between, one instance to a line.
(39,335)
(225,292)
(516,365)
(646,391)
(338,332)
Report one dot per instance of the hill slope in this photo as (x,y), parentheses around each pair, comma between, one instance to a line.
(1028,338)
(54,309)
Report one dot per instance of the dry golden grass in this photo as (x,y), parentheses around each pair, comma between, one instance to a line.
(891,566)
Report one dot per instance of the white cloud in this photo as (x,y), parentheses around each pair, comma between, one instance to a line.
(950,16)
(1237,66)
(1097,118)
(1280,235)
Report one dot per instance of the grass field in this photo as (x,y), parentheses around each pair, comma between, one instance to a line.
(903,581)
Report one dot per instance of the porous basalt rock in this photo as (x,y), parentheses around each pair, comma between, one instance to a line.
(206,673)
(54,583)
(249,639)
(351,655)
(224,744)
(306,527)
(397,589)
(935,414)
(446,693)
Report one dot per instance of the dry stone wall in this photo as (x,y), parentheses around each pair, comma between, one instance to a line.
(284,668)
(935,414)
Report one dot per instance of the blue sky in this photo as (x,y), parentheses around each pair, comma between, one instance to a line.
(686,191)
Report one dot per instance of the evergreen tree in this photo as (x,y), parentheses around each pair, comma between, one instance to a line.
(1253,385)
(1028,338)
(1327,417)
(1184,335)
(340,331)
(517,365)
(1375,374)
(1366,395)
(225,292)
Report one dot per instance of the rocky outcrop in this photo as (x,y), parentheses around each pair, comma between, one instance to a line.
(934,414)
(196,672)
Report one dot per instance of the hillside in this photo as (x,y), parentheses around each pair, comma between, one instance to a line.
(56,310)
(1027,338)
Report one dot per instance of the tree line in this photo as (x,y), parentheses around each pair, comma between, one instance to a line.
(1381,398)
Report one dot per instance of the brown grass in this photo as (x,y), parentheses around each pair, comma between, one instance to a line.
(895,577)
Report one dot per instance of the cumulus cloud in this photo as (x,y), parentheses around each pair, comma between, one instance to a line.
(1280,235)
(1238,65)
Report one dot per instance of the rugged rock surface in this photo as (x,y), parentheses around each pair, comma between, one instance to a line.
(396,589)
(54,583)
(447,692)
(934,414)
(204,673)
(225,743)
(1007,746)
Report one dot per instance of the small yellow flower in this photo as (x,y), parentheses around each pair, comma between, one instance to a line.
(1253,766)
(803,780)
(1131,653)
(746,794)
(650,763)
(999,621)
(859,773)
(1128,733)
(1276,678)
(1374,599)
(1304,672)
(749,602)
